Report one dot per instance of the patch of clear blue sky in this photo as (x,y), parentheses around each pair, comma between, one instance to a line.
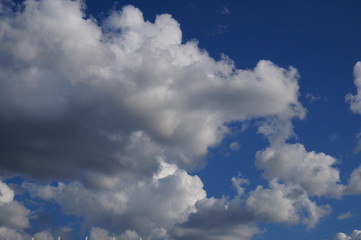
(322,39)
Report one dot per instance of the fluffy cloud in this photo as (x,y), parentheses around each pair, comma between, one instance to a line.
(355,100)
(162,201)
(354,185)
(77,99)
(237,218)
(314,172)
(120,110)
(285,204)
(100,233)
(12,214)
(6,194)
(355,235)
(218,219)
(174,205)
(8,233)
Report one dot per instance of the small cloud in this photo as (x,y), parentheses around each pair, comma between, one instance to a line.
(344,215)
(225,11)
(312,97)
(357,149)
(235,146)
(245,125)
(221,28)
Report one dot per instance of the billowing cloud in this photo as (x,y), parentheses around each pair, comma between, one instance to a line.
(355,235)
(119,112)
(314,172)
(78,98)
(354,185)
(285,204)
(158,203)
(355,100)
(13,215)
(100,233)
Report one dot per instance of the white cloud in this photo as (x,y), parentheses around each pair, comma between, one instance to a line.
(12,234)
(8,233)
(13,215)
(285,204)
(344,215)
(6,194)
(234,146)
(120,110)
(354,184)
(355,100)
(97,233)
(159,202)
(314,172)
(45,235)
(87,95)
(355,235)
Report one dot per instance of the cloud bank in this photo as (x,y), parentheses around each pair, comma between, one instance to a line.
(79,98)
(119,112)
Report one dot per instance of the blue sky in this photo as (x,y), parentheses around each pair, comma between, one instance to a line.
(180,120)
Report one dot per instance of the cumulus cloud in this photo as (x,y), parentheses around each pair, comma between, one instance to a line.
(237,218)
(355,100)
(314,172)
(8,233)
(121,111)
(78,98)
(13,215)
(162,201)
(355,235)
(174,205)
(285,204)
(354,184)
(218,219)
(6,194)
(100,233)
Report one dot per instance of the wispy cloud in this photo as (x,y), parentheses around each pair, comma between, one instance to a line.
(226,11)
(344,215)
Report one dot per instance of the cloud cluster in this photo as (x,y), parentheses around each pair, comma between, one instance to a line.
(119,112)
(285,203)
(13,215)
(144,207)
(314,172)
(78,98)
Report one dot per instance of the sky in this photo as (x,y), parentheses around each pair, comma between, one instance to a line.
(180,120)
